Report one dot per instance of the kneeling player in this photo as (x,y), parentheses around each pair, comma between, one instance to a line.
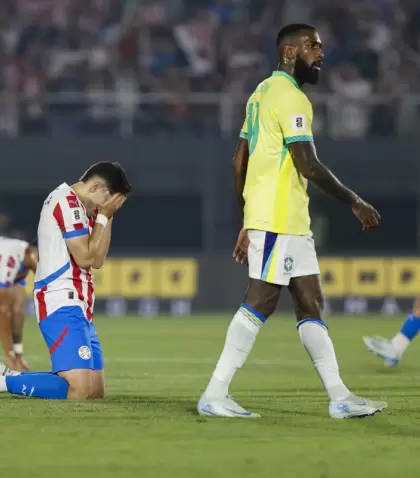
(69,244)
(16,259)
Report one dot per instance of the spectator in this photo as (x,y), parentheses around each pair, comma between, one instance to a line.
(61,61)
(351,108)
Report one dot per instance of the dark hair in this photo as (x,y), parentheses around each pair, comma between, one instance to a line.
(291,30)
(113,174)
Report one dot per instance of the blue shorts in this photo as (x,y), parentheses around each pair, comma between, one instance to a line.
(71,340)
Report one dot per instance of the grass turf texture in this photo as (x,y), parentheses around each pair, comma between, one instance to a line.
(147,426)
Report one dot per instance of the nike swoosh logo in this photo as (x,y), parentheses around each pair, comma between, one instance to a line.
(246,414)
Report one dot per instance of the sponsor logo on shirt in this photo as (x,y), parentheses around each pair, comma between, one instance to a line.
(73,202)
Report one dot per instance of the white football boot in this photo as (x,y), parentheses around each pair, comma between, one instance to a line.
(382,348)
(225,407)
(355,407)
(5,371)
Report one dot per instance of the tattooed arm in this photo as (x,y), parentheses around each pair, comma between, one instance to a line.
(309,166)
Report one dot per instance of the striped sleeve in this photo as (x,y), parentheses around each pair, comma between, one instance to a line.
(71,217)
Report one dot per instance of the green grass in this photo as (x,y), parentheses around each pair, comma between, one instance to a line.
(147,425)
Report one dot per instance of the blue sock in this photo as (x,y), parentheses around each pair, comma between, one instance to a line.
(40,385)
(411,327)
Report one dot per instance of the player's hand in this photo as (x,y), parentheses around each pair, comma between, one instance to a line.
(21,365)
(366,213)
(240,253)
(112,205)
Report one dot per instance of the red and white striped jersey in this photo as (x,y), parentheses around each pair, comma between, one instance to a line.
(12,255)
(59,281)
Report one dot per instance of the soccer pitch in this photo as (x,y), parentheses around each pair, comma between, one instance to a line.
(156,370)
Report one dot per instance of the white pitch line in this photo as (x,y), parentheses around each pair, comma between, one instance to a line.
(183,360)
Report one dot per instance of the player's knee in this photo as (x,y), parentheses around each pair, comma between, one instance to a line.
(266,310)
(79,389)
(97,393)
(5,310)
(18,307)
(262,297)
(79,393)
(312,310)
(79,384)
(97,385)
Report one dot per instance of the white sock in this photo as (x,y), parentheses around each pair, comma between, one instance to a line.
(319,346)
(399,343)
(3,386)
(240,338)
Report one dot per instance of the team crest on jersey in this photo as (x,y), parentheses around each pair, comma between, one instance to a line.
(73,202)
(84,352)
(288,264)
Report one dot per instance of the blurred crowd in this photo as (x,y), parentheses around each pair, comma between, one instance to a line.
(123,67)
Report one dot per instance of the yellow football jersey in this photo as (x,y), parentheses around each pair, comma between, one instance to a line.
(278,113)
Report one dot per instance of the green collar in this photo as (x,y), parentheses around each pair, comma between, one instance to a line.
(286,75)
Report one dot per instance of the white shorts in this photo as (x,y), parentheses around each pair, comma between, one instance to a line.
(277,258)
(9,268)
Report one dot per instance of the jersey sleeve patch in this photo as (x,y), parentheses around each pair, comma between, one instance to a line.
(77,214)
(71,220)
(299,123)
(73,202)
(294,115)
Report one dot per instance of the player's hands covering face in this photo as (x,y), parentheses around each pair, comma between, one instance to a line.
(366,213)
(240,253)
(112,205)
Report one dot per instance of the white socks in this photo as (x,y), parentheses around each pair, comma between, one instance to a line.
(399,343)
(3,386)
(315,338)
(240,338)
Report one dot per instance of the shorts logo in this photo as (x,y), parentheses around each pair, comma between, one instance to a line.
(84,352)
(288,264)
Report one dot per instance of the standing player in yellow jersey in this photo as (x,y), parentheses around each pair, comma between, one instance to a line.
(274,161)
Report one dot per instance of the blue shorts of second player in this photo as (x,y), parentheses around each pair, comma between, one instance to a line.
(71,340)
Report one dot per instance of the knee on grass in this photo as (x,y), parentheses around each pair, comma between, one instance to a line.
(80,384)
(85,392)
(96,394)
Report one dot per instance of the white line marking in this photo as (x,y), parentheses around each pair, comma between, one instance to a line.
(183,360)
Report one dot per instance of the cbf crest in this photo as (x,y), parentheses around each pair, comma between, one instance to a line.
(288,264)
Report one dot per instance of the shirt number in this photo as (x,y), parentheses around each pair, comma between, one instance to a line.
(253,125)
